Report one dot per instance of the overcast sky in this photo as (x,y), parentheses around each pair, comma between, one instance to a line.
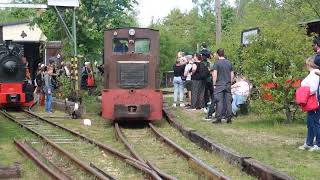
(156,8)
(160,8)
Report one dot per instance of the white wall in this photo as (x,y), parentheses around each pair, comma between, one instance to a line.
(13,32)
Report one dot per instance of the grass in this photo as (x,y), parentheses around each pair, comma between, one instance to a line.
(103,132)
(261,137)
(207,157)
(10,155)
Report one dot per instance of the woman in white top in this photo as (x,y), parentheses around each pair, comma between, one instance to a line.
(240,92)
(313,117)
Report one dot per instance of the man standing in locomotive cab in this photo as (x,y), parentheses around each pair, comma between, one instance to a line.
(28,87)
(120,47)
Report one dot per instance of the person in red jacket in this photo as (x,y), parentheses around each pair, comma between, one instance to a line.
(313,117)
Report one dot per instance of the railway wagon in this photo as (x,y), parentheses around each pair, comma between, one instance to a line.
(14,91)
(132,82)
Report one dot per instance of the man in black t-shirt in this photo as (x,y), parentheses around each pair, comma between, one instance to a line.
(222,76)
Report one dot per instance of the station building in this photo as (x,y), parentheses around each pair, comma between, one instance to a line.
(35,45)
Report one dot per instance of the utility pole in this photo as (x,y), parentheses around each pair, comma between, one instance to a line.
(217,9)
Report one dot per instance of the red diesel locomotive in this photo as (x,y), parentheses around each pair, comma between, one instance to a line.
(14,92)
(131,62)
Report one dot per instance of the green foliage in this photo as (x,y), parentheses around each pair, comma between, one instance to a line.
(93,17)
(65,88)
(277,55)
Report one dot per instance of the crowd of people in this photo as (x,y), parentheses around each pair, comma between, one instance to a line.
(212,87)
(46,81)
(209,85)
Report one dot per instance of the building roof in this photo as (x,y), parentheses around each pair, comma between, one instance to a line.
(14,22)
(310,22)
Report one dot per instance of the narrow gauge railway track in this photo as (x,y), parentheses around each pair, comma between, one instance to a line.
(61,138)
(164,156)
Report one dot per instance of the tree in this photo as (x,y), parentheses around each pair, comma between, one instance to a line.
(277,55)
(302,9)
(93,17)
(217,8)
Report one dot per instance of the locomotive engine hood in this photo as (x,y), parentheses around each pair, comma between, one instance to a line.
(11,67)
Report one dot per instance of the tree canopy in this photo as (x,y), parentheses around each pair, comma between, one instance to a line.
(93,17)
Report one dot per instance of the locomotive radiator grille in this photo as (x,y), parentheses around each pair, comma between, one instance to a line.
(132,74)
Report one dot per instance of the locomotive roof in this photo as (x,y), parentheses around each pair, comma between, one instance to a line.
(132,28)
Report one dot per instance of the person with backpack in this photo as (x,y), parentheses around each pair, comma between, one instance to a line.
(206,55)
(222,77)
(187,74)
(197,90)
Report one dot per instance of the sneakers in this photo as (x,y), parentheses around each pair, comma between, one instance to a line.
(174,105)
(314,148)
(208,118)
(182,105)
(305,147)
(218,121)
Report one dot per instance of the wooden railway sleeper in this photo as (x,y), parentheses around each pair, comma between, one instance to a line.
(204,168)
(81,164)
(53,172)
(135,163)
(119,134)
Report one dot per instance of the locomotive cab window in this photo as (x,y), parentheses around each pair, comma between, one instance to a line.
(120,45)
(142,46)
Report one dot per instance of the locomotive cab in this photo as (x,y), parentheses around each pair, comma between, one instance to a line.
(131,90)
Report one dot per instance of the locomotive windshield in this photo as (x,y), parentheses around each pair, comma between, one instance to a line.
(142,46)
(120,45)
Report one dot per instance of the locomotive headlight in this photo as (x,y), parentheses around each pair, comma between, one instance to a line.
(10,67)
(132,32)
(10,47)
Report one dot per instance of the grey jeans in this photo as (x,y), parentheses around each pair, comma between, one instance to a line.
(223,99)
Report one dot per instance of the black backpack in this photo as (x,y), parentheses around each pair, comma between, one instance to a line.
(39,80)
(204,71)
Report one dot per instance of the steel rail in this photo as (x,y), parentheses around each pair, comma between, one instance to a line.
(80,163)
(246,164)
(102,172)
(127,159)
(33,154)
(120,134)
(127,144)
(197,164)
